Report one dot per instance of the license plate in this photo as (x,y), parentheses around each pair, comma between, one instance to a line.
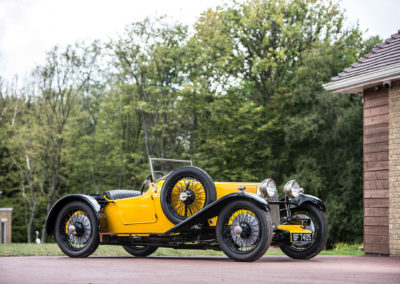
(301,237)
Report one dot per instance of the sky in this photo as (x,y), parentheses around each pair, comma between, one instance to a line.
(29,28)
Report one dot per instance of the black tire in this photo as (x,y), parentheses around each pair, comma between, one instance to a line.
(191,183)
(319,226)
(254,235)
(77,230)
(140,251)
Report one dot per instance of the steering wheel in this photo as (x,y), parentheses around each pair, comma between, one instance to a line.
(150,179)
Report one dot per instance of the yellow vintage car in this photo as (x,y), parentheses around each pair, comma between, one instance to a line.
(185,209)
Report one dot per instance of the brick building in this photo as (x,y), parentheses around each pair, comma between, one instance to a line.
(5,225)
(377,77)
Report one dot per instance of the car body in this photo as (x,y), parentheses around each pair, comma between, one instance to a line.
(186,209)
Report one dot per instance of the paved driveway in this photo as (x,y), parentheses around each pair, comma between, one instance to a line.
(269,269)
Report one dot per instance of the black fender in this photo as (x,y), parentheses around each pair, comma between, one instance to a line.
(305,198)
(52,217)
(215,208)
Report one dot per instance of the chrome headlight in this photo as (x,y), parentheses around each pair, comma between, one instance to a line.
(293,189)
(267,188)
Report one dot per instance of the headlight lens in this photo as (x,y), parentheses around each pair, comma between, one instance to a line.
(267,188)
(293,189)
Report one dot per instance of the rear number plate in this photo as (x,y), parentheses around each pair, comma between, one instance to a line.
(301,237)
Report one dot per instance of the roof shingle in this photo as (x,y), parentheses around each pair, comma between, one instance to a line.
(383,56)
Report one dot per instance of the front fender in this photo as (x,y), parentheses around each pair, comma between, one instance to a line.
(214,208)
(52,217)
(305,198)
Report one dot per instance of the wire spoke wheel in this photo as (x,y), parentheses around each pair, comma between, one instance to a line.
(319,227)
(187,197)
(185,192)
(244,231)
(77,229)
(77,233)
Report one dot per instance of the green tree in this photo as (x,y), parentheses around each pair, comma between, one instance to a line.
(254,44)
(58,84)
(323,133)
(11,109)
(149,61)
(271,58)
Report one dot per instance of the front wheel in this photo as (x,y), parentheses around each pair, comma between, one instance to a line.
(244,231)
(77,230)
(319,227)
(140,251)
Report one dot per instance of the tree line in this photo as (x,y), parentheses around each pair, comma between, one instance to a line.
(240,93)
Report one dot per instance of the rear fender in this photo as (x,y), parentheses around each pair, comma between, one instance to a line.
(213,210)
(52,217)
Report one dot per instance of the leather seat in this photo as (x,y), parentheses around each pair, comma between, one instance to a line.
(121,194)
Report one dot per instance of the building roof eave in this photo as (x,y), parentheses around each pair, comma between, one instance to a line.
(356,84)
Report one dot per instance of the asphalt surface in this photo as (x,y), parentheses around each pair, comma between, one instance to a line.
(269,269)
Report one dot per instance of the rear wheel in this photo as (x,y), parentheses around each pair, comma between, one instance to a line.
(140,251)
(185,192)
(77,231)
(244,231)
(319,227)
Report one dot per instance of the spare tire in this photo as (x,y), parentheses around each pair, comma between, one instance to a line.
(185,192)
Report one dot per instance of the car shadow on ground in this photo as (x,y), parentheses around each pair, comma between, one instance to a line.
(202,258)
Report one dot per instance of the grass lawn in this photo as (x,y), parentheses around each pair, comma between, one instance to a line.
(21,249)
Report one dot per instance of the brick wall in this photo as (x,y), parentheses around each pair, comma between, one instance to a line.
(394,168)
(376,171)
(6,214)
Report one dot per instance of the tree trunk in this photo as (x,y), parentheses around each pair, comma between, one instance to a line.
(146,134)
